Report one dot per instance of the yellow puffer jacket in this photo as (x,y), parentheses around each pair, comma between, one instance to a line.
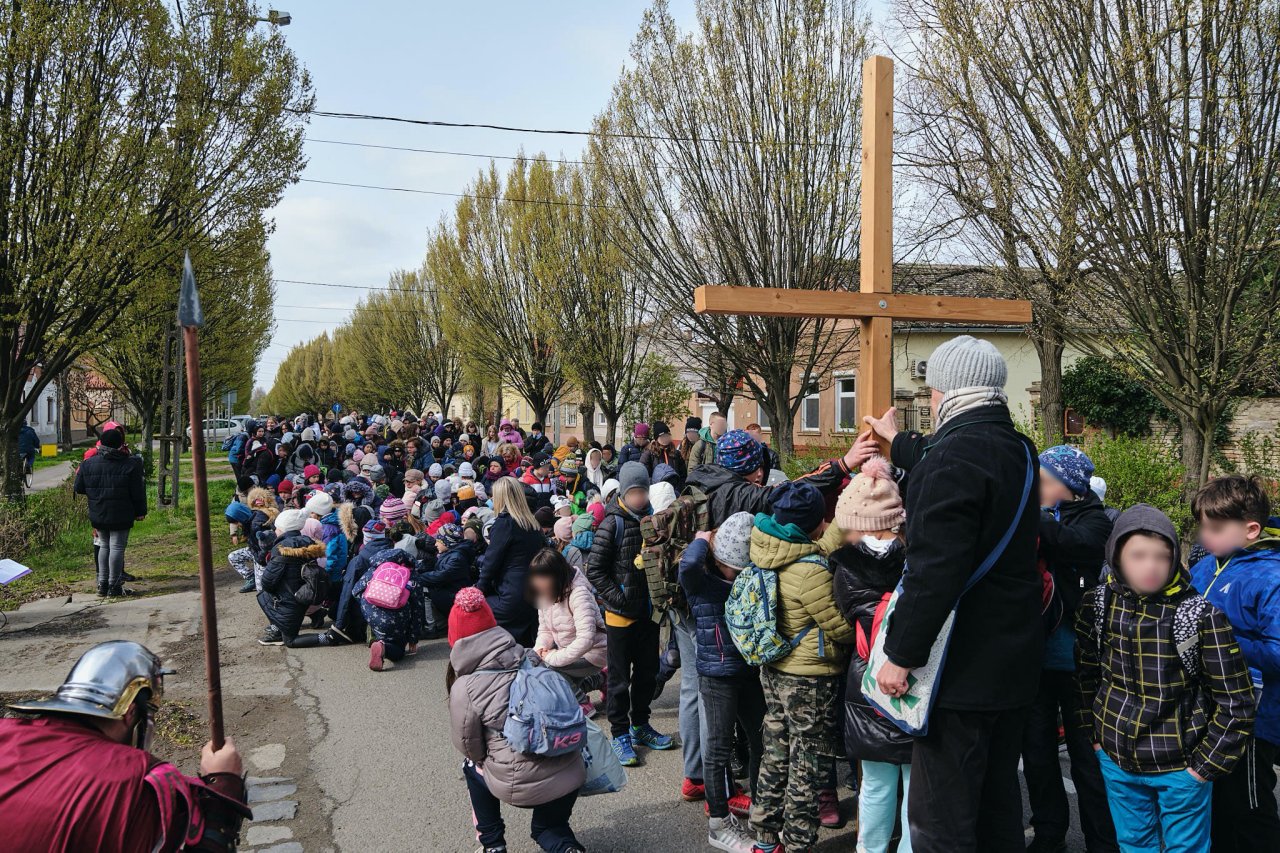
(806,599)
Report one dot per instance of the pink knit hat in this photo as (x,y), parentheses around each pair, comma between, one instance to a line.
(871,501)
(564,528)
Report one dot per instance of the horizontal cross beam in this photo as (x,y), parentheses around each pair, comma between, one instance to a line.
(851,305)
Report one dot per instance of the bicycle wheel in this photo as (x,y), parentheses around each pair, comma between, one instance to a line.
(29,476)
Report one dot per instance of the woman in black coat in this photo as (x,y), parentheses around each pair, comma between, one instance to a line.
(515,537)
(111,479)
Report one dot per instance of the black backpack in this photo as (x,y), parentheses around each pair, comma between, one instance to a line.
(315,585)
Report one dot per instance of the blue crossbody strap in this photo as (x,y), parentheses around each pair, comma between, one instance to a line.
(997,551)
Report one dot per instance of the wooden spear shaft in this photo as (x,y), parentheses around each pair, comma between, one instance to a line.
(191,318)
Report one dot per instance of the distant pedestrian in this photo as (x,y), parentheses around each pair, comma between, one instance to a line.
(112,481)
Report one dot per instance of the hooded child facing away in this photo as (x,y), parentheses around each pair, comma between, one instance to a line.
(1165,693)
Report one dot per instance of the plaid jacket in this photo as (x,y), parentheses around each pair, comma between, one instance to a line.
(1137,698)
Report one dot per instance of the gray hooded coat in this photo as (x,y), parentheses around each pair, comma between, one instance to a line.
(478,710)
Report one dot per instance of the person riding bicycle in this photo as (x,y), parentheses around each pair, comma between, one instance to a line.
(28,444)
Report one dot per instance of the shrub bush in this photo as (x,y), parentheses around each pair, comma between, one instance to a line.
(1141,470)
(37,522)
(1105,396)
(1260,454)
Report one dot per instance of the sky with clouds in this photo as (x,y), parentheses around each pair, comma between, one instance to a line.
(543,65)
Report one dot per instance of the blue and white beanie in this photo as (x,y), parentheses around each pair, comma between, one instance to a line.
(1070,466)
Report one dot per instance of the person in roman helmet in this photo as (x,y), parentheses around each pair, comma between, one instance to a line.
(76,773)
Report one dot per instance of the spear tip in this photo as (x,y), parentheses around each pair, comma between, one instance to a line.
(189,312)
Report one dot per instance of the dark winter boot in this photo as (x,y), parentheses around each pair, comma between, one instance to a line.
(103,589)
(250,585)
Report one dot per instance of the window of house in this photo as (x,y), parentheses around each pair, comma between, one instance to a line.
(847,405)
(35,415)
(600,421)
(571,416)
(48,410)
(811,410)
(763,418)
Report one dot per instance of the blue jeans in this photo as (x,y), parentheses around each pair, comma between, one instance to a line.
(878,806)
(550,825)
(1150,807)
(693,726)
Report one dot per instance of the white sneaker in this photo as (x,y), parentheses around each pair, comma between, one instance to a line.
(725,833)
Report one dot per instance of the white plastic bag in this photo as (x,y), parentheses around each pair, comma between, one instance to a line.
(605,774)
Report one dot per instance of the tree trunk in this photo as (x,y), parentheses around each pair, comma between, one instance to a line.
(781,420)
(148,427)
(1049,347)
(611,424)
(64,413)
(1196,443)
(587,411)
(11,461)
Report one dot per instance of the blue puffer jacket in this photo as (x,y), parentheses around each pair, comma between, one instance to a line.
(335,547)
(1247,589)
(707,592)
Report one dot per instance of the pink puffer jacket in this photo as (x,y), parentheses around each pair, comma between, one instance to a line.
(573,628)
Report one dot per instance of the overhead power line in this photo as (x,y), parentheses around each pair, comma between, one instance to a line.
(546,201)
(327,284)
(644,137)
(450,153)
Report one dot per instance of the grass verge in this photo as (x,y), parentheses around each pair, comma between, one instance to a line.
(162,547)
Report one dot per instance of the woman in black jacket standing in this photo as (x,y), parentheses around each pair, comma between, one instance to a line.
(111,479)
(516,536)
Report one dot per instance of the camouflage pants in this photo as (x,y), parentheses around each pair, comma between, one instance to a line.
(799,754)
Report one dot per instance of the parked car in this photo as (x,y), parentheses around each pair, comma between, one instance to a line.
(242,419)
(216,429)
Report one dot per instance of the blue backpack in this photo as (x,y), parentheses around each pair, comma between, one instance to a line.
(751,614)
(543,715)
(238,512)
(234,445)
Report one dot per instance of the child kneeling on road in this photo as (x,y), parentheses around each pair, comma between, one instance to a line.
(801,690)
(483,660)
(867,569)
(1241,575)
(571,638)
(391,599)
(729,687)
(1165,693)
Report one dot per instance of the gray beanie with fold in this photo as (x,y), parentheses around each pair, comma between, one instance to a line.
(966,362)
(732,544)
(632,476)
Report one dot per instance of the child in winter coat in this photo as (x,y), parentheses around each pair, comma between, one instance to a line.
(802,689)
(455,568)
(571,638)
(261,533)
(1241,576)
(1073,538)
(632,633)
(563,534)
(483,660)
(867,569)
(282,577)
(728,686)
(1165,693)
(395,631)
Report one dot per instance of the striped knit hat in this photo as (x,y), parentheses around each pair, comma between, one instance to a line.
(393,509)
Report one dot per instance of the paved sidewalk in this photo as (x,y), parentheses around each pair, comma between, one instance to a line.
(49,477)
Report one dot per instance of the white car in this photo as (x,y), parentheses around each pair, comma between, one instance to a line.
(216,429)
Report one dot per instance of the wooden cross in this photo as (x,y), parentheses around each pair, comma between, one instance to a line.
(875,306)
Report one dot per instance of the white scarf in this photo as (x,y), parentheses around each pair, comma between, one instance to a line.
(967,399)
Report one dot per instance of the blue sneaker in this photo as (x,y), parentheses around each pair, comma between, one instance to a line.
(625,751)
(647,735)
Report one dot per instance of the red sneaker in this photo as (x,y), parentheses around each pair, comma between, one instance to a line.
(375,656)
(692,791)
(740,805)
(829,809)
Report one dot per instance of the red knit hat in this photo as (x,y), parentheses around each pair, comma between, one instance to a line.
(285,487)
(470,615)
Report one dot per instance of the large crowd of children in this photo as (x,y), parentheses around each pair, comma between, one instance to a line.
(1162,678)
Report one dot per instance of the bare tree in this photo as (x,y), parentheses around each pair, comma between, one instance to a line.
(1172,111)
(733,156)
(1007,177)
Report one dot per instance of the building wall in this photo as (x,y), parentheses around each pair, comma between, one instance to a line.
(44,414)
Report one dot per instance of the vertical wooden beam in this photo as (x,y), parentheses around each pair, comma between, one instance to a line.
(875,358)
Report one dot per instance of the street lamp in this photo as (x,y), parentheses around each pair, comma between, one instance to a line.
(280,19)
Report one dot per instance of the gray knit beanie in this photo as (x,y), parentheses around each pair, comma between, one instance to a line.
(732,544)
(966,362)
(632,476)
